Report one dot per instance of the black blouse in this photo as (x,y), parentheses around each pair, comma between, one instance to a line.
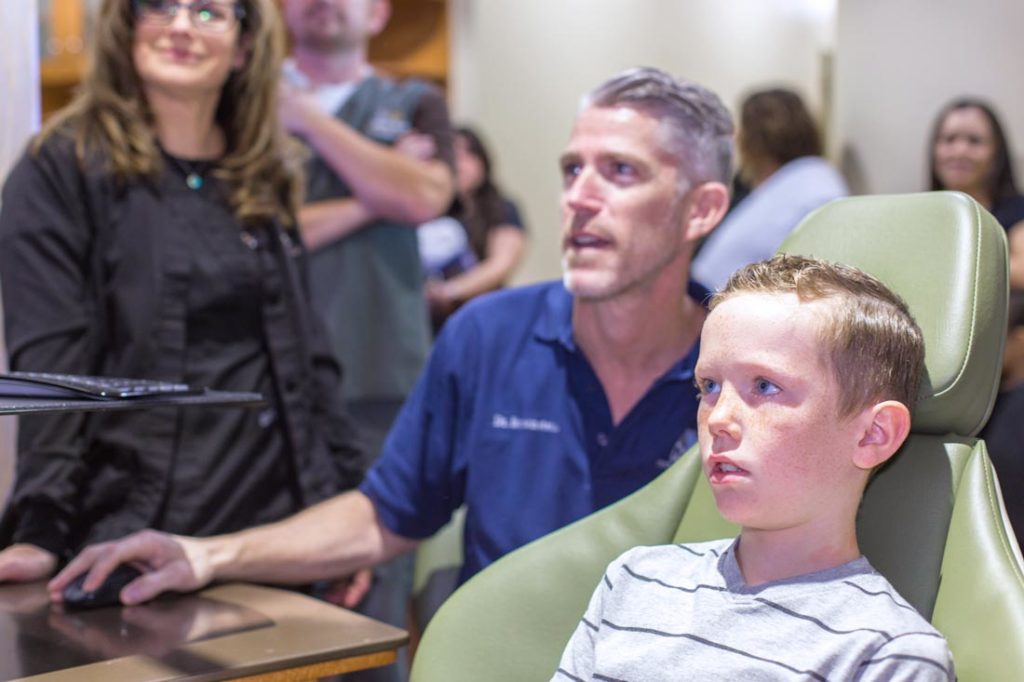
(1009,211)
(159,281)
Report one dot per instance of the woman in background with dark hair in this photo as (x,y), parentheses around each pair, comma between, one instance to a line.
(149,232)
(780,161)
(970,154)
(492,241)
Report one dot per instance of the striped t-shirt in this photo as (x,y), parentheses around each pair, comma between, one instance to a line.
(683,612)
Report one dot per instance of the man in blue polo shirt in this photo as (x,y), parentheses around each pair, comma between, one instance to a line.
(512,420)
(539,405)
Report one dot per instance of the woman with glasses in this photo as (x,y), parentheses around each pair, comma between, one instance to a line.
(149,232)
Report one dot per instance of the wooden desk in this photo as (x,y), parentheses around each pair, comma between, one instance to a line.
(231,631)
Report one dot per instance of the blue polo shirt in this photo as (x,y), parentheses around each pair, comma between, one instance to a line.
(509,419)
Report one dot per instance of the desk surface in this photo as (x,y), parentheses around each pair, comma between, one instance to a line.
(223,632)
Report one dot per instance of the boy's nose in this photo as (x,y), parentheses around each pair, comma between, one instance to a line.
(722,417)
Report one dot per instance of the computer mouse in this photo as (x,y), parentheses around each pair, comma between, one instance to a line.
(107,594)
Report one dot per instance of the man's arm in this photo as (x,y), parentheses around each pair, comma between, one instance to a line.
(329,540)
(323,222)
(389,183)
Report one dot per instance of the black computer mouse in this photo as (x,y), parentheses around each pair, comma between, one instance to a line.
(107,594)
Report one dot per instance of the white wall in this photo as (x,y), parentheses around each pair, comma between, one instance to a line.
(19,79)
(19,116)
(899,61)
(519,67)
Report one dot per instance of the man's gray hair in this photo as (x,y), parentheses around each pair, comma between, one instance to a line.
(699,126)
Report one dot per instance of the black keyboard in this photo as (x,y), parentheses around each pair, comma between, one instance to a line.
(46,385)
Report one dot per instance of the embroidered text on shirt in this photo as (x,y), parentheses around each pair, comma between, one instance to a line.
(512,423)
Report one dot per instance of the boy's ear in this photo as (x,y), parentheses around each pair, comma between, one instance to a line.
(708,203)
(888,424)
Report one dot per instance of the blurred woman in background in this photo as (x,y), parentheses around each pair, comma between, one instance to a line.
(149,232)
(477,246)
(781,163)
(970,154)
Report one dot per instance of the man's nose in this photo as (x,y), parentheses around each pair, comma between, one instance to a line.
(583,191)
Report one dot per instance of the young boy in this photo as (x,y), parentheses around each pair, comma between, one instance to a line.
(807,373)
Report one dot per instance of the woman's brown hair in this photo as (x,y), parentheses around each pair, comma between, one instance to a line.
(776,126)
(260,168)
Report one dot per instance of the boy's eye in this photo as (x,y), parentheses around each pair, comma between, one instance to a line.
(765,387)
(707,386)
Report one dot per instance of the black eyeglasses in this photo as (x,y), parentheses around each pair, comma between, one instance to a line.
(206,15)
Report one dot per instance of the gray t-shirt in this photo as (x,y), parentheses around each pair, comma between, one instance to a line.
(683,612)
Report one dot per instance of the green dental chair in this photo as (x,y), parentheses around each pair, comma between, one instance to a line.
(932,520)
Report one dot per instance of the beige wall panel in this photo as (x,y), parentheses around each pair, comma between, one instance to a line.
(19,117)
(898,62)
(519,67)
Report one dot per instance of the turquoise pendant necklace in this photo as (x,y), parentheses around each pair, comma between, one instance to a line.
(194,180)
(194,171)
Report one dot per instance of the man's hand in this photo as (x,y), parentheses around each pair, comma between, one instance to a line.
(407,186)
(22,563)
(167,562)
(417,145)
(295,108)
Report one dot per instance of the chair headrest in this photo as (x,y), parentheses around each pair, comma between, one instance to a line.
(947,258)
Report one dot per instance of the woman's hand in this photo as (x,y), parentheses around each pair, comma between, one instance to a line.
(350,591)
(440,298)
(23,563)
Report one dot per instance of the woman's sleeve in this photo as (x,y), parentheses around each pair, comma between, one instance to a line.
(510,215)
(51,324)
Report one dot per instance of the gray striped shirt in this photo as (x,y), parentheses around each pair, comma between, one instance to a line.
(683,612)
